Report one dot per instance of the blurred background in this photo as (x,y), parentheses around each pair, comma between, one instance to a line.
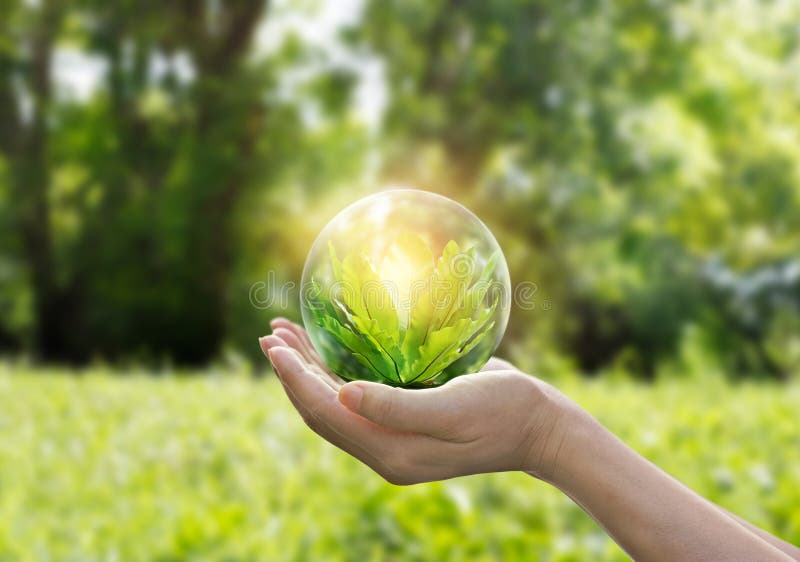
(165,167)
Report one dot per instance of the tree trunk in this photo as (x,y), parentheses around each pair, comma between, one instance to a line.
(31,182)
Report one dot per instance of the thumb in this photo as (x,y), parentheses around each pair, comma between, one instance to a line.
(418,411)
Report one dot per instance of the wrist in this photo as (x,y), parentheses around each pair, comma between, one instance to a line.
(558,440)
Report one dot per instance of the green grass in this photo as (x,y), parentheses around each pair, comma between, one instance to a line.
(219,467)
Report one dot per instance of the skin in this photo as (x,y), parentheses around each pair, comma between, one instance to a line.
(501,419)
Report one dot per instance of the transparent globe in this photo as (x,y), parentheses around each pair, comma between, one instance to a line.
(406,288)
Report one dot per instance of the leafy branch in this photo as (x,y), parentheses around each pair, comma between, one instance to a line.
(407,328)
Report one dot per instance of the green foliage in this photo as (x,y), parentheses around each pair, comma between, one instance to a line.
(221,467)
(617,150)
(407,339)
(637,161)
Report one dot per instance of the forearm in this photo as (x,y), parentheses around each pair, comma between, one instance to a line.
(648,513)
(783,546)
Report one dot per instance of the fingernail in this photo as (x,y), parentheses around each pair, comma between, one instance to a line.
(350,395)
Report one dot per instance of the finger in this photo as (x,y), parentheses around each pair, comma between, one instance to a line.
(373,445)
(281,322)
(289,337)
(401,458)
(420,411)
(294,342)
(497,364)
(304,344)
(268,342)
(320,401)
(272,341)
(301,408)
(297,330)
(318,425)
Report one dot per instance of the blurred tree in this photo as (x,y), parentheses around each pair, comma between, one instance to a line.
(187,149)
(25,111)
(639,162)
(153,168)
(603,142)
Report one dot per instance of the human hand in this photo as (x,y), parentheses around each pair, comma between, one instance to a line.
(497,420)
(501,419)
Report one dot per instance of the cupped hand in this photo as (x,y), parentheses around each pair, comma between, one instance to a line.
(496,420)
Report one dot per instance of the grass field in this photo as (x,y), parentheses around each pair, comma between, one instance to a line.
(131,467)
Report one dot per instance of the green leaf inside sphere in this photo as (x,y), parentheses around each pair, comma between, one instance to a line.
(409,317)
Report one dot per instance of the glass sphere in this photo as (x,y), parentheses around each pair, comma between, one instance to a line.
(406,288)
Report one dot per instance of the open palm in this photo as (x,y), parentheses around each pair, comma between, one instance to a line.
(495,420)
